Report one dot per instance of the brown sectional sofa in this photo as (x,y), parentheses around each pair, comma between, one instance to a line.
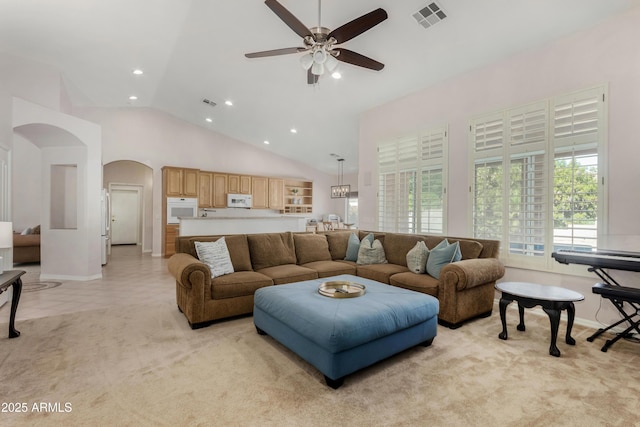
(465,289)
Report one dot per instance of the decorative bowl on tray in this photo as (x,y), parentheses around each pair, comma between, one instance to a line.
(341,289)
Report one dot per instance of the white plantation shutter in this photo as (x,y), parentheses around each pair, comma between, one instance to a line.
(534,169)
(578,121)
(527,207)
(412,183)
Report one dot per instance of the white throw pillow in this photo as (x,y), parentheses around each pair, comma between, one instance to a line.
(216,256)
(371,253)
(417,258)
(26,231)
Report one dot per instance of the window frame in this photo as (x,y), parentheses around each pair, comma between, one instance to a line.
(489,147)
(416,153)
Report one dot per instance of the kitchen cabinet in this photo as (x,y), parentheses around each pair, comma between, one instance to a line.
(205,189)
(260,192)
(213,190)
(219,193)
(180,182)
(170,233)
(276,193)
(239,184)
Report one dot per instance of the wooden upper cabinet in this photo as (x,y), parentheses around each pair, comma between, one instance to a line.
(260,192)
(206,186)
(219,194)
(173,182)
(276,193)
(239,184)
(190,182)
(180,182)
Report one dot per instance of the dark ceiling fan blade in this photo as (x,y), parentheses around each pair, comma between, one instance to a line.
(288,18)
(312,78)
(355,58)
(358,26)
(275,52)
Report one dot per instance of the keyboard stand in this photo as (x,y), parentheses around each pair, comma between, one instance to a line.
(619,295)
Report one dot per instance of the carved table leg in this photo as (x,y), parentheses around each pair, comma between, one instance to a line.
(554,318)
(503,311)
(571,314)
(17,290)
(521,326)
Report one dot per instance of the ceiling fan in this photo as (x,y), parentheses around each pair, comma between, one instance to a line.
(320,43)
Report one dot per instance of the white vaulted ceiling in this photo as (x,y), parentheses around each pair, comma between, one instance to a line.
(194,49)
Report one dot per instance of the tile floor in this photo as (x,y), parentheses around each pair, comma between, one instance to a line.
(130,277)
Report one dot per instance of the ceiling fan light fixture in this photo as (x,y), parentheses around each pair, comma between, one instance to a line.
(306,61)
(317,69)
(320,56)
(331,63)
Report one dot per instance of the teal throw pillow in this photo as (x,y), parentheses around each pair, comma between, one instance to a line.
(441,256)
(353,245)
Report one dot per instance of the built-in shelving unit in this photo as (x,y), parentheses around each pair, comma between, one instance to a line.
(300,202)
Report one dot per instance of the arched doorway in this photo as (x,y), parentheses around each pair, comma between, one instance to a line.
(130,185)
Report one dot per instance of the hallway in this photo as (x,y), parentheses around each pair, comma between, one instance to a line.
(130,277)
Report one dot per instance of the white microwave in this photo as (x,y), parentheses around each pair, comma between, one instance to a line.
(181,207)
(239,201)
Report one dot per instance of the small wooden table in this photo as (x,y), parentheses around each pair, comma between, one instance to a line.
(552,299)
(12,278)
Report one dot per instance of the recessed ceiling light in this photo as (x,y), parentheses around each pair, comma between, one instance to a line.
(266,142)
(138,72)
(293,130)
(229,103)
(336,75)
(133,98)
(209,119)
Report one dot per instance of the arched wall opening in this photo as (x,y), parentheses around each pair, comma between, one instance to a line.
(130,180)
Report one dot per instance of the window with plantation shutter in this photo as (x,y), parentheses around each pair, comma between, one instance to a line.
(535,176)
(412,183)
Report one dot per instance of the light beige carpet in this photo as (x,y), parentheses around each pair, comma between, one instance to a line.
(143,366)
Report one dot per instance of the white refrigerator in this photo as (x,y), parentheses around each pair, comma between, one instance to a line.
(105,227)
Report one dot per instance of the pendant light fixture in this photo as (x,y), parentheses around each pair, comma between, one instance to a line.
(341,190)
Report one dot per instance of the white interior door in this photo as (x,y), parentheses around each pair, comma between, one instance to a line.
(125,216)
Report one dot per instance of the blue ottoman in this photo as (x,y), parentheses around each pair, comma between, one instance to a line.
(342,335)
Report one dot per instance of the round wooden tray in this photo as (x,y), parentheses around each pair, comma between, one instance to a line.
(341,289)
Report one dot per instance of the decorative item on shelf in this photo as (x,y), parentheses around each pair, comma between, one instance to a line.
(295,200)
(6,240)
(341,190)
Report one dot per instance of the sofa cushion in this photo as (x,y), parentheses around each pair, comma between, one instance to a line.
(332,268)
(216,256)
(469,249)
(371,253)
(271,249)
(288,273)
(441,256)
(380,272)
(416,282)
(397,245)
(337,244)
(237,246)
(238,284)
(311,247)
(417,258)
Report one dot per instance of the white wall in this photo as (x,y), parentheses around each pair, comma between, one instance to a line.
(606,54)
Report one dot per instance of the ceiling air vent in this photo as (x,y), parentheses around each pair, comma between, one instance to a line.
(429,15)
(209,103)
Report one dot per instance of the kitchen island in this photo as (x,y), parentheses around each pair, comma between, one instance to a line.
(213,225)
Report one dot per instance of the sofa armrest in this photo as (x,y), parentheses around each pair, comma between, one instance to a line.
(470,273)
(189,271)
